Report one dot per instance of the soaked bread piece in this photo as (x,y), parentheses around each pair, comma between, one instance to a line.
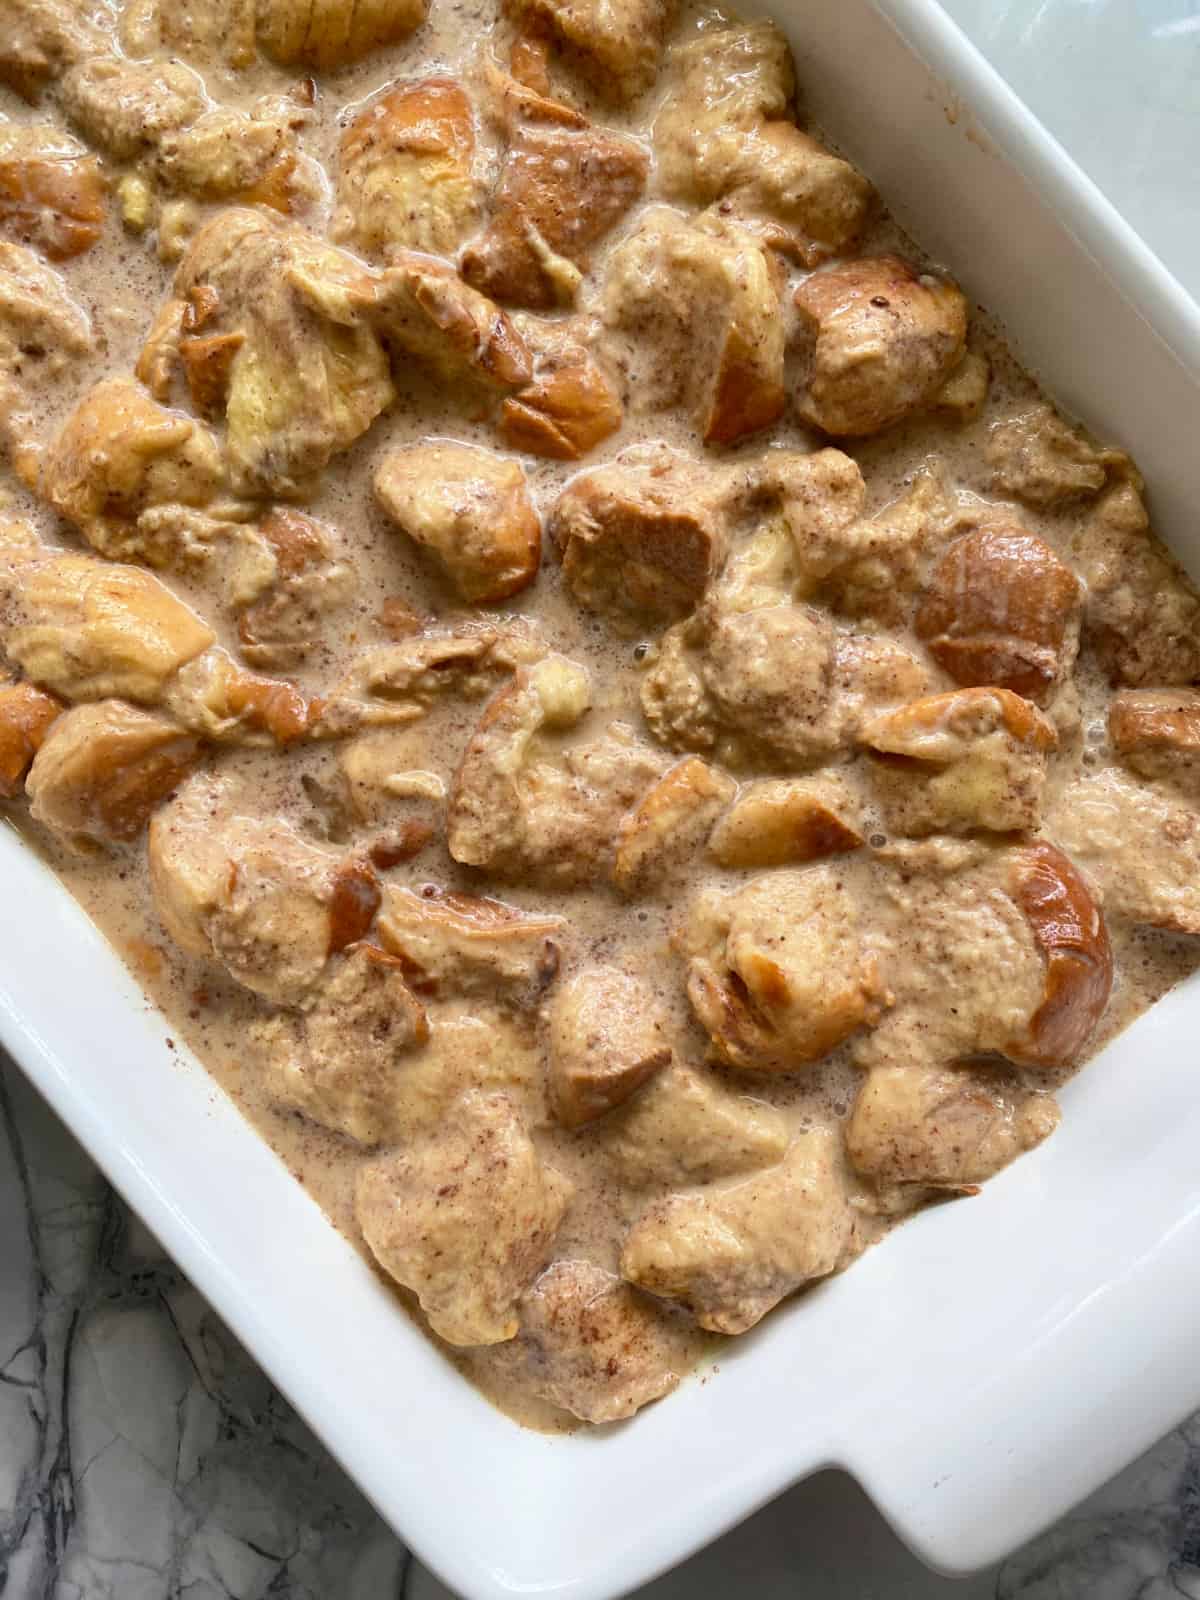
(465,1219)
(552,819)
(103,769)
(706,294)
(1156,733)
(26,714)
(568,407)
(615,46)
(52,192)
(593,1345)
(405,178)
(120,454)
(307,374)
(460,944)
(1139,843)
(1038,458)
(783,822)
(89,630)
(688,1127)
(561,189)
(39,39)
(1142,614)
(606,1038)
(882,340)
(1001,608)
(252,895)
(726,132)
(641,538)
(730,1255)
(779,973)
(471,510)
(952,763)
(943,1128)
(330,33)
(337,1061)
(670,824)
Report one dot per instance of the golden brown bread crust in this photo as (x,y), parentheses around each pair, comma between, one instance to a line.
(884,337)
(569,407)
(421,305)
(52,192)
(405,177)
(104,769)
(782,823)
(669,823)
(1001,608)
(470,509)
(903,732)
(25,717)
(353,902)
(642,535)
(1156,732)
(1070,930)
(561,190)
(778,973)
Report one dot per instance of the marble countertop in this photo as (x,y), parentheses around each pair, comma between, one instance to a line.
(143,1456)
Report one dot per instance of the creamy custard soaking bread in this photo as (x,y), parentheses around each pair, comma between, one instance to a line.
(633,741)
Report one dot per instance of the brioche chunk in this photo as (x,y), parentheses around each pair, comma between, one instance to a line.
(453,943)
(337,1061)
(25,716)
(615,46)
(330,33)
(726,133)
(705,293)
(471,509)
(1069,930)
(405,180)
(1037,458)
(1140,845)
(785,821)
(974,758)
(1156,733)
(90,630)
(593,1345)
(553,818)
(120,454)
(247,893)
(641,537)
(606,1038)
(943,1127)
(1001,608)
(560,191)
(778,973)
(103,769)
(569,406)
(1142,614)
(883,338)
(465,1219)
(671,822)
(307,376)
(685,1127)
(729,1255)
(52,192)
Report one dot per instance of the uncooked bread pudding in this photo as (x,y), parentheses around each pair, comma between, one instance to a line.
(624,730)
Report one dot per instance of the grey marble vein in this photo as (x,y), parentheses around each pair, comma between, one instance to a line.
(143,1455)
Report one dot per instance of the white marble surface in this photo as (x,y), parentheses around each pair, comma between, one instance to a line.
(142,1454)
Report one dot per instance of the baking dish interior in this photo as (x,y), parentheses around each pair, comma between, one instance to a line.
(991,1362)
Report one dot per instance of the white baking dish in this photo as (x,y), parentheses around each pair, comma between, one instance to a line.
(991,1362)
